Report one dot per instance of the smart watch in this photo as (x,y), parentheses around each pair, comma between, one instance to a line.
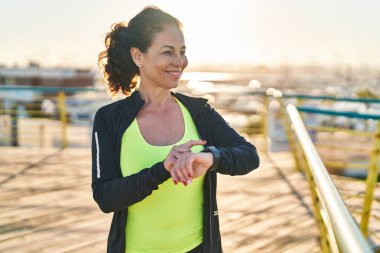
(216,156)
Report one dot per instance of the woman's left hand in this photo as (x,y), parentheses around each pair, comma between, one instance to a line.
(191,165)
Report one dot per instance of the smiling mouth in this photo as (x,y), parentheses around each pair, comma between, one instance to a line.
(174,73)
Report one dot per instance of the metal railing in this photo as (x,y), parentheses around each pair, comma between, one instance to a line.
(373,165)
(339,231)
(333,224)
(47,116)
(344,149)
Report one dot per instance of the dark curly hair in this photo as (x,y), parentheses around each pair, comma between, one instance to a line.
(120,71)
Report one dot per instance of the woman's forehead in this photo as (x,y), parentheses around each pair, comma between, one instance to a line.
(170,36)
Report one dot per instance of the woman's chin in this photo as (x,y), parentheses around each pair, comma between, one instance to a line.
(173,85)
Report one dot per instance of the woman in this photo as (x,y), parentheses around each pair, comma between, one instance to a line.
(154,134)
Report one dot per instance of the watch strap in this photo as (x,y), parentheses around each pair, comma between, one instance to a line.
(216,156)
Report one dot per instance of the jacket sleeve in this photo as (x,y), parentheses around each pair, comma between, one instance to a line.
(236,155)
(111,191)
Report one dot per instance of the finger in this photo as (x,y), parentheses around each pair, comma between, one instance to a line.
(194,143)
(181,176)
(183,168)
(174,177)
(175,173)
(189,167)
(182,149)
(178,172)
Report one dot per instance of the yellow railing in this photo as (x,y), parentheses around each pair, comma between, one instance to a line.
(63,117)
(330,240)
(371,181)
(337,151)
(352,148)
(44,116)
(338,229)
(58,124)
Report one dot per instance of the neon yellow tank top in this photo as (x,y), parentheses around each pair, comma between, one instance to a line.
(171,218)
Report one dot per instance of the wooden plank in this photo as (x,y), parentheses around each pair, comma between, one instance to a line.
(49,207)
(270,217)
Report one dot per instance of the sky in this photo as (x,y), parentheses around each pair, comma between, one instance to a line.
(265,32)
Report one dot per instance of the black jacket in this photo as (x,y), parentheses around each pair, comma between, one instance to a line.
(114,193)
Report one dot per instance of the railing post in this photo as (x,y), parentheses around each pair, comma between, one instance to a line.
(63,118)
(371,182)
(299,101)
(264,124)
(14,125)
(288,131)
(317,215)
(41,134)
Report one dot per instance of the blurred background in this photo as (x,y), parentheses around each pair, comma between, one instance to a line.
(335,35)
(313,47)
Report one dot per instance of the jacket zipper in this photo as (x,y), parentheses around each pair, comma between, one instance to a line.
(210,195)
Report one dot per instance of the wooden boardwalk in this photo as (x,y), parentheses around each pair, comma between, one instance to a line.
(46,205)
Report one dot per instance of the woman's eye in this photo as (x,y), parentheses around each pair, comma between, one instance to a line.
(167,52)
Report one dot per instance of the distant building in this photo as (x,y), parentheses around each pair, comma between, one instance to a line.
(53,77)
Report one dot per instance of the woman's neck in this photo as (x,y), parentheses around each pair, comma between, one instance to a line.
(156,97)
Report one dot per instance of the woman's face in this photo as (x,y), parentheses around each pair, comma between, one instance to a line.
(165,59)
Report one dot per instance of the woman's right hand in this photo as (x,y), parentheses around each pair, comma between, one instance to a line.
(176,151)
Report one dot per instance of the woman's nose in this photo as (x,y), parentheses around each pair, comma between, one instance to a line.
(178,60)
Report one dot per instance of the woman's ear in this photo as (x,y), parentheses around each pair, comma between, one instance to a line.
(136,56)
